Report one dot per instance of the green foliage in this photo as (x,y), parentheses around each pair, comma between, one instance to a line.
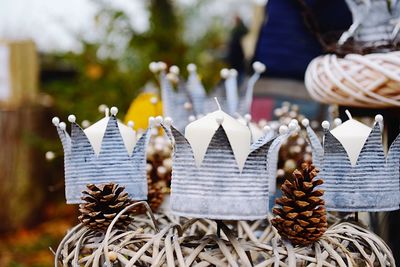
(113,70)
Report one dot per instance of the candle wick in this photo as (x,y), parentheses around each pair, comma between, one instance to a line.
(348,114)
(107,112)
(216,100)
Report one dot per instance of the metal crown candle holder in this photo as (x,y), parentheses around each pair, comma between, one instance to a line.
(372,184)
(218,189)
(113,163)
(190,98)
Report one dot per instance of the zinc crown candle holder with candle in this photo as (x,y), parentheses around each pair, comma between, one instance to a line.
(357,174)
(190,100)
(217,173)
(107,151)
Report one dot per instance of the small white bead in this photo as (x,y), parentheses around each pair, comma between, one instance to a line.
(167,121)
(219,119)
(162,65)
(325,125)
(266,129)
(292,126)
(71,118)
(305,122)
(174,69)
(247,117)
(55,121)
(62,126)
(154,100)
(337,121)
(258,67)
(294,121)
(379,118)
(224,73)
(233,72)
(153,66)
(85,123)
(187,105)
(102,108)
(114,111)
(283,129)
(50,155)
(191,67)
(151,121)
(191,118)
(131,124)
(159,119)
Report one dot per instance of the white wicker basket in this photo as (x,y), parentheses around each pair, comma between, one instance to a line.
(371,80)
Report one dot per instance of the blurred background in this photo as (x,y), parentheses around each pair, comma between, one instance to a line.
(62,57)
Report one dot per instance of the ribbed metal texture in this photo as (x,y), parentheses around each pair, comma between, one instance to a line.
(371,185)
(113,164)
(316,146)
(174,101)
(217,189)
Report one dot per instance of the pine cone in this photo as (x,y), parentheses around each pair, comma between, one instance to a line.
(301,219)
(102,204)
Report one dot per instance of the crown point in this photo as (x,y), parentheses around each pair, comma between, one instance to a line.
(191,118)
(283,129)
(151,121)
(247,117)
(259,67)
(191,67)
(62,126)
(187,105)
(337,121)
(55,121)
(219,119)
(131,124)
(172,77)
(71,118)
(379,118)
(266,129)
(325,125)
(305,122)
(224,73)
(174,69)
(162,65)
(233,72)
(153,66)
(159,120)
(167,121)
(114,111)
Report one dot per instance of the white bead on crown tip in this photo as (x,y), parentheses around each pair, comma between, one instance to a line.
(293,126)
(167,121)
(233,73)
(379,118)
(219,119)
(191,118)
(55,121)
(247,117)
(158,120)
(114,111)
(191,67)
(224,73)
(131,124)
(151,121)
(266,129)
(174,69)
(259,67)
(62,126)
(162,65)
(71,118)
(325,125)
(283,129)
(153,66)
(337,122)
(305,122)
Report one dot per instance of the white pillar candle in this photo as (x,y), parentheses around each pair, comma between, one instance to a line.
(352,134)
(95,133)
(200,132)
